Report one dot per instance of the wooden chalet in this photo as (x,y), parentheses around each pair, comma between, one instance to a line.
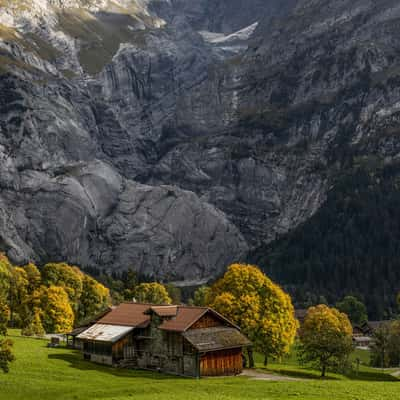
(182,340)
(370,327)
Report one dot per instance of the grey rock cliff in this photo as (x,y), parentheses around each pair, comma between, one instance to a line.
(174,137)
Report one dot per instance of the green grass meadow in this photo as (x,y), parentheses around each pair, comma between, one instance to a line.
(42,373)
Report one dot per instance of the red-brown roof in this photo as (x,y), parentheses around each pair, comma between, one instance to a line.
(128,314)
(180,318)
(165,311)
(185,318)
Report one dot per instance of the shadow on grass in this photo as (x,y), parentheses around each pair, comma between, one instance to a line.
(372,376)
(75,361)
(301,374)
(376,376)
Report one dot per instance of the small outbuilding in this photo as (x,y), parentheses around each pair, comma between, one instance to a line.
(72,337)
(181,340)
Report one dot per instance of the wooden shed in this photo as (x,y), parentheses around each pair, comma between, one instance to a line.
(182,340)
(72,337)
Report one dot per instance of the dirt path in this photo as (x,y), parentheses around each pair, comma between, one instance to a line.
(262,376)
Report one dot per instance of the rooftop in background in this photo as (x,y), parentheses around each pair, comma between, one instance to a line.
(165,311)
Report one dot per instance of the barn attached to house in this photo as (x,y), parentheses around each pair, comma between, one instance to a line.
(72,337)
(182,340)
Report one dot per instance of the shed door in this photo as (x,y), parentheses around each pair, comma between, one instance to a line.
(224,362)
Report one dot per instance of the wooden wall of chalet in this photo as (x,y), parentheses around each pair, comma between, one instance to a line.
(118,348)
(224,362)
(165,351)
(207,321)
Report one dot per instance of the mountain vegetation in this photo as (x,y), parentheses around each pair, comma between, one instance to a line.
(354,309)
(51,299)
(348,246)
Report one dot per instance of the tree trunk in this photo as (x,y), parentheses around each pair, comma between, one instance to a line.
(250,355)
(323,371)
(265,360)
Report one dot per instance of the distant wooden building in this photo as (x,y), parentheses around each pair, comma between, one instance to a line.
(370,327)
(300,315)
(182,340)
(357,331)
(363,342)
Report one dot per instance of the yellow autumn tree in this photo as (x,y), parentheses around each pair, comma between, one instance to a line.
(6,354)
(258,306)
(94,298)
(57,313)
(5,276)
(66,276)
(34,326)
(4,318)
(18,296)
(154,293)
(34,277)
(325,337)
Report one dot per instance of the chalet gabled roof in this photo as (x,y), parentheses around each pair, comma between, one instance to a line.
(128,314)
(179,318)
(187,316)
(216,338)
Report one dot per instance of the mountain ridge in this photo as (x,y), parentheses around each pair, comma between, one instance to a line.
(256,128)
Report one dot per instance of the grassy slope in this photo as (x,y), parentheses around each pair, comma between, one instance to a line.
(363,372)
(42,373)
(100,36)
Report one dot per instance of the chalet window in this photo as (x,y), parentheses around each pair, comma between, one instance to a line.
(104,349)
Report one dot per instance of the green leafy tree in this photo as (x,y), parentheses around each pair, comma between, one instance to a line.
(174,293)
(354,308)
(154,293)
(325,337)
(201,296)
(258,306)
(385,351)
(126,286)
(393,348)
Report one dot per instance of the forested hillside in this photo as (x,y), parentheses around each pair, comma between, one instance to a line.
(351,245)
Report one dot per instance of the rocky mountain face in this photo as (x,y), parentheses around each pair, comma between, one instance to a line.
(176,136)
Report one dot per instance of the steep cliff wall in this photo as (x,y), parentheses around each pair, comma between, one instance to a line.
(176,137)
